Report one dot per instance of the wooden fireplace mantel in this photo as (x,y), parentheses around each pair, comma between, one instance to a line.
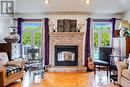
(67,34)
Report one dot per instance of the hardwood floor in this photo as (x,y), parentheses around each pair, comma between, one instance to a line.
(66,80)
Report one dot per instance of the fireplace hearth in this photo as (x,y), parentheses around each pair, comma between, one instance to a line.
(66,55)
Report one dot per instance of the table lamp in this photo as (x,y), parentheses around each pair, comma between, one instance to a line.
(124,28)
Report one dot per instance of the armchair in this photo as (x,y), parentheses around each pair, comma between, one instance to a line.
(104,58)
(9,75)
(123,74)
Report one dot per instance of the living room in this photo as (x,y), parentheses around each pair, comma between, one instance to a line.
(64,43)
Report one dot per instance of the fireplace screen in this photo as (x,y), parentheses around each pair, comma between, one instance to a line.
(66,56)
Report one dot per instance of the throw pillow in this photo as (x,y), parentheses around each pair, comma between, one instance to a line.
(129,62)
(3,58)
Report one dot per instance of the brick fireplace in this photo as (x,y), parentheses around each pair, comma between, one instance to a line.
(66,39)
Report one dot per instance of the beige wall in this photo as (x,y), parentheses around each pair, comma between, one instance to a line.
(5,23)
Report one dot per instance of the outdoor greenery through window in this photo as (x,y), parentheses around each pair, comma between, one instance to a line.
(105,39)
(101,35)
(95,40)
(37,39)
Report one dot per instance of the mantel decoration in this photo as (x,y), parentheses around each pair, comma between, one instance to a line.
(80,25)
(124,28)
(66,25)
(52,26)
(13,37)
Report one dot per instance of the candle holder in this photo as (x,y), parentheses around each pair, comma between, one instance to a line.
(52,26)
(80,25)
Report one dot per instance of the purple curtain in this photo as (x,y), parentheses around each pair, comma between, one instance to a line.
(19,21)
(113,20)
(19,24)
(46,41)
(87,41)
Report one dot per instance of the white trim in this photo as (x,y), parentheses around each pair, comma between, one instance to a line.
(31,31)
(42,43)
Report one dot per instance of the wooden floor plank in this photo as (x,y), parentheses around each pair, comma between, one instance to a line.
(66,80)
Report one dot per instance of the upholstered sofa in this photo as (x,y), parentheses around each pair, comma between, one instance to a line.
(10,70)
(123,74)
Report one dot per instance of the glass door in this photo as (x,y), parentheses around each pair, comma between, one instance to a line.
(102,33)
(31,37)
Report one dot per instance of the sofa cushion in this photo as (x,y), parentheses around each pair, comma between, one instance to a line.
(128,62)
(19,63)
(12,69)
(3,58)
(126,74)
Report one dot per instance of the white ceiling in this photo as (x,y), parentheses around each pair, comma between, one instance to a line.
(79,6)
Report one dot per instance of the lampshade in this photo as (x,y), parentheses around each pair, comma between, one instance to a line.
(124,24)
(124,28)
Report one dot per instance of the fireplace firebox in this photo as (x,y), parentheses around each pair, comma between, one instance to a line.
(66,55)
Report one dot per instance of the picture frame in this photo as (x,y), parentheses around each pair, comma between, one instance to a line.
(3,58)
(66,25)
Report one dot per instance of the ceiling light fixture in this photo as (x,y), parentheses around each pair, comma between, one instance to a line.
(46,1)
(87,1)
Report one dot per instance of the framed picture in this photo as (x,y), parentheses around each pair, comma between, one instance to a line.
(73,26)
(3,58)
(66,25)
(60,25)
